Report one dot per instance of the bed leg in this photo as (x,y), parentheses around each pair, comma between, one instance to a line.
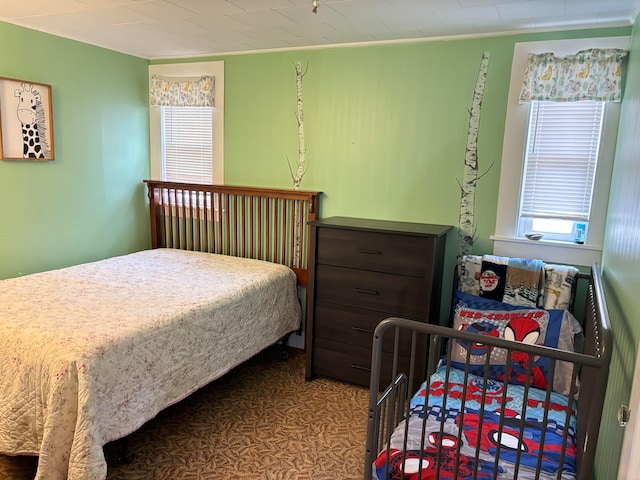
(283,353)
(125,457)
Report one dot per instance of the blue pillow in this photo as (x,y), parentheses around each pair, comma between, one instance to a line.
(554,328)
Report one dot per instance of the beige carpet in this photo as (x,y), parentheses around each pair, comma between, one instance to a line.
(261,421)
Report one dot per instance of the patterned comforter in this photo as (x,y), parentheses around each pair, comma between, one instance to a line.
(456,410)
(90,353)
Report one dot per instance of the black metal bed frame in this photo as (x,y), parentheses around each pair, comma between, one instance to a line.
(389,408)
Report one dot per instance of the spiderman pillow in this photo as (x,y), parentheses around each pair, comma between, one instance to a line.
(551,328)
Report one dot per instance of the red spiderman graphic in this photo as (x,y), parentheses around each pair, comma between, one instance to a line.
(414,462)
(491,391)
(524,330)
(511,439)
(483,328)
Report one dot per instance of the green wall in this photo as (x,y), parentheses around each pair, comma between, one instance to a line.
(385,126)
(621,264)
(89,203)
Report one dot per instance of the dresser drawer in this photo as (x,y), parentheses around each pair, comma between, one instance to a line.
(361,272)
(384,292)
(355,327)
(380,252)
(353,364)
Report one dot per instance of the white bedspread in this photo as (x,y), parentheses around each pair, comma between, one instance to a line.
(90,353)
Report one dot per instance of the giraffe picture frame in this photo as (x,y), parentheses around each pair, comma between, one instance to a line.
(26,120)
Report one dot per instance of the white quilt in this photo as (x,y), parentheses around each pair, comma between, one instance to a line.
(90,353)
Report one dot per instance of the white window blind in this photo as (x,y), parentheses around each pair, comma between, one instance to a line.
(187,136)
(561,158)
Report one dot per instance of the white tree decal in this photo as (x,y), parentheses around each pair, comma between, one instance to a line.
(301,168)
(467,228)
(302,149)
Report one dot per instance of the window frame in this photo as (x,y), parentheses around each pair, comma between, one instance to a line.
(186,70)
(506,240)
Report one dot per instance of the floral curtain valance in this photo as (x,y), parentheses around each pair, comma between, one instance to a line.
(196,92)
(594,74)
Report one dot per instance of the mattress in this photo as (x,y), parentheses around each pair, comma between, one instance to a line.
(90,353)
(543,428)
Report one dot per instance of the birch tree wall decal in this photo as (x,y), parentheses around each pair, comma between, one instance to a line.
(301,168)
(302,150)
(467,227)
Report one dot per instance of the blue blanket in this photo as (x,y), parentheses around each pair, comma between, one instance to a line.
(458,420)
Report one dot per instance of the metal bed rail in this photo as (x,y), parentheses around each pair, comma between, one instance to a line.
(592,366)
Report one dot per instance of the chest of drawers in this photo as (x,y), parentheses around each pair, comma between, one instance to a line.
(363,271)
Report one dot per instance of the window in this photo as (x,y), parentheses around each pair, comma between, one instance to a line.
(187,135)
(560,166)
(540,163)
(187,142)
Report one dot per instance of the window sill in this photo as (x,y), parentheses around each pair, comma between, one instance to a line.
(547,250)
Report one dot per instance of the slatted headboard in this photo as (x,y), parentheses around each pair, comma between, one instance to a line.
(262,223)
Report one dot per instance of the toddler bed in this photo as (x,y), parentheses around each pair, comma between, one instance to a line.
(514,392)
(91,352)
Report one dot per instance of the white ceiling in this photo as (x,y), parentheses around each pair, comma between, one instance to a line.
(176,28)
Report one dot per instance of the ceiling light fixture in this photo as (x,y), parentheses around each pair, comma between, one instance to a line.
(314,4)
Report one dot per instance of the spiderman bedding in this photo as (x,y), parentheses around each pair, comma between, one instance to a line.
(517,448)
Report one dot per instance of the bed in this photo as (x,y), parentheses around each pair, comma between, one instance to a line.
(91,352)
(505,397)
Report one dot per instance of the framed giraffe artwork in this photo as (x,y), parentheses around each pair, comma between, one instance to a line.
(26,120)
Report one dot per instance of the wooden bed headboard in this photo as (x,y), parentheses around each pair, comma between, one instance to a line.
(262,223)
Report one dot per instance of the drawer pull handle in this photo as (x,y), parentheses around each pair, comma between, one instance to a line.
(362,330)
(370,252)
(364,290)
(360,367)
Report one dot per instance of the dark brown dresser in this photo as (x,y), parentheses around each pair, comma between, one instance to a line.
(363,271)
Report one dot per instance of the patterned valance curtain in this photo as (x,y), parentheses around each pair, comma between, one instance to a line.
(594,74)
(196,92)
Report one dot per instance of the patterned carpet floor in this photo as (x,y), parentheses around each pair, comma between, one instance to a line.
(263,420)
